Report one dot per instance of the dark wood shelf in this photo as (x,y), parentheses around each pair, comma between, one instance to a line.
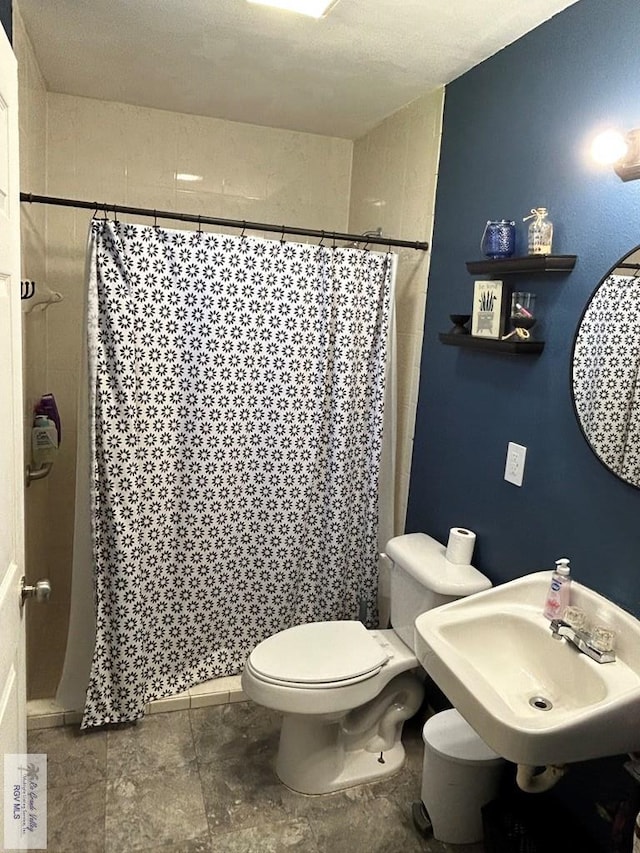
(515,347)
(523,264)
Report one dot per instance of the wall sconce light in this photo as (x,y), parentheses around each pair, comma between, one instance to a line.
(620,150)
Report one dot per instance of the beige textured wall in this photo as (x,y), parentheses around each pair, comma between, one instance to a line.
(395,170)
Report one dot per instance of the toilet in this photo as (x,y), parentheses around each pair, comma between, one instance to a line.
(346,691)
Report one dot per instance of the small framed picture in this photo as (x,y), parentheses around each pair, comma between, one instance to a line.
(489,309)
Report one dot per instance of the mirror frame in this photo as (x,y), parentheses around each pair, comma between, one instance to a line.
(618,263)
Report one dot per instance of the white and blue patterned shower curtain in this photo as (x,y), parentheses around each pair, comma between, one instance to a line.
(236,415)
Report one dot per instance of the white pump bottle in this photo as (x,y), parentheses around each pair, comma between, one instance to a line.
(559,593)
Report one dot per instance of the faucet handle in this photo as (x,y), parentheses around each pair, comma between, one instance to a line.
(602,638)
(575,617)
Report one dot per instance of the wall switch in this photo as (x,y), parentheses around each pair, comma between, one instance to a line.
(514,467)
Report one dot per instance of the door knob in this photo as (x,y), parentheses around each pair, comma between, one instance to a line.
(41,591)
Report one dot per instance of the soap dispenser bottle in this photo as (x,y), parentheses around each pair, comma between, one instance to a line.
(559,590)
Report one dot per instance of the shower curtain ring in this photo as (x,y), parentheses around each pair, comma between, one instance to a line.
(282,238)
(199,224)
(95,212)
(334,241)
(321,240)
(244,228)
(155,218)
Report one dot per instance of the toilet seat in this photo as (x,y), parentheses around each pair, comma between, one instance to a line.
(319,655)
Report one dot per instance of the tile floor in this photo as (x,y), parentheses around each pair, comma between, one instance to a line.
(202,781)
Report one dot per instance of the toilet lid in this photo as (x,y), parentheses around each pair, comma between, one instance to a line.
(318,652)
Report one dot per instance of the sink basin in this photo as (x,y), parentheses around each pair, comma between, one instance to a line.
(534,699)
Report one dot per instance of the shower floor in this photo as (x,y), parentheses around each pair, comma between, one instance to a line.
(201,780)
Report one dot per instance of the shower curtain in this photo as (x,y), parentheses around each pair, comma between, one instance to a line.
(237,390)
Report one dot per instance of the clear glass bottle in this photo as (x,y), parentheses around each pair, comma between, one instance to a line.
(540,236)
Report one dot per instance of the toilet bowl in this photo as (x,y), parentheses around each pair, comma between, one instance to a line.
(345,691)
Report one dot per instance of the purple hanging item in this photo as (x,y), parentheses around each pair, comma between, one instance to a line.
(47,406)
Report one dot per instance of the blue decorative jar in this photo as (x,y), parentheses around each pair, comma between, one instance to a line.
(499,238)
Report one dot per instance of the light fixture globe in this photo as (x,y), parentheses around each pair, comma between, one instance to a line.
(608,147)
(628,169)
(622,151)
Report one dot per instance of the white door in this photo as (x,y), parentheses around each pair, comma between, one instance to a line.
(13,729)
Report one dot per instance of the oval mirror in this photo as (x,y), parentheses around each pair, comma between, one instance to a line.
(606,370)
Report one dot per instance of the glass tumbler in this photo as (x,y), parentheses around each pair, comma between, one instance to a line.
(523,306)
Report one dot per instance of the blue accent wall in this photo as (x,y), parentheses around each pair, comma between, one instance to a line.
(5,17)
(516,134)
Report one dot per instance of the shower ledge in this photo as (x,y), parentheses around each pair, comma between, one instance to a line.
(46,713)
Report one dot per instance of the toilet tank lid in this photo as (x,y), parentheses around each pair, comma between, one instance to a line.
(424,558)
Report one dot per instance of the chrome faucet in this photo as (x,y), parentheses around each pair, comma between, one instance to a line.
(582,640)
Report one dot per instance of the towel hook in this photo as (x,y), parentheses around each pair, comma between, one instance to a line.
(38,294)
(27,289)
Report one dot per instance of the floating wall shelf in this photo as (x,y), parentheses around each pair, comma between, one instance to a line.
(523,264)
(508,266)
(514,347)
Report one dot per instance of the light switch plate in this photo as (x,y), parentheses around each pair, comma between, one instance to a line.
(514,466)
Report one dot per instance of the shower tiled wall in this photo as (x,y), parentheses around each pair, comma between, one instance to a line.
(113,152)
(134,156)
(97,150)
(42,622)
(156,159)
(395,169)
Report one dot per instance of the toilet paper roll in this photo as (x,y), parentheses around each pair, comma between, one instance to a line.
(460,545)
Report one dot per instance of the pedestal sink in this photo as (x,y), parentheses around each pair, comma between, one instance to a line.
(534,699)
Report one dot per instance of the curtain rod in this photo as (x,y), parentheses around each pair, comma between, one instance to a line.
(229,223)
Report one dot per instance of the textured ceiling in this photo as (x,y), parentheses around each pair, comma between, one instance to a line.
(230,59)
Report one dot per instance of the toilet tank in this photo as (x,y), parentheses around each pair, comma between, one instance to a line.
(423,578)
